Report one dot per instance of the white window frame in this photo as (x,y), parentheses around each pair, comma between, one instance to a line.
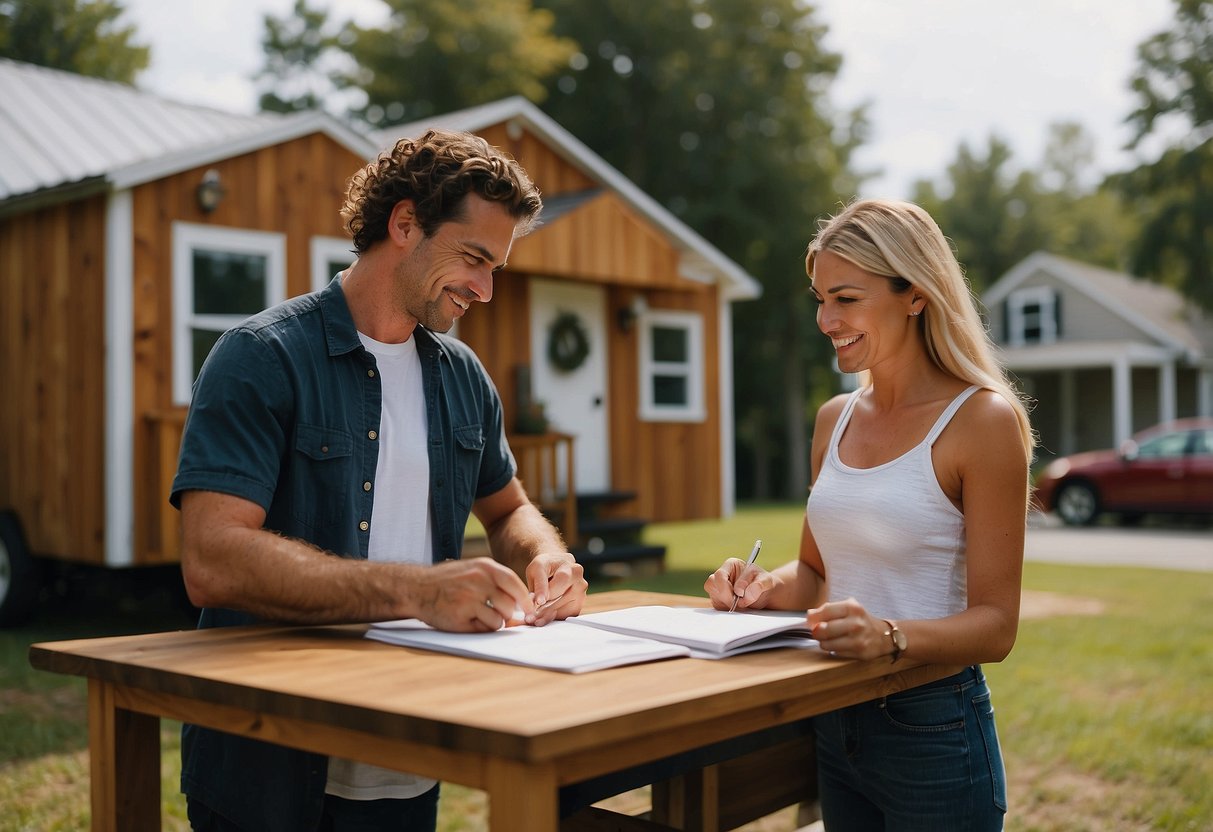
(693,370)
(1046,298)
(324,249)
(186,238)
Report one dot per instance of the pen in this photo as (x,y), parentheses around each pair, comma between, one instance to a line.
(753,557)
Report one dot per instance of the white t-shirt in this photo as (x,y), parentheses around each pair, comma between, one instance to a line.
(401,529)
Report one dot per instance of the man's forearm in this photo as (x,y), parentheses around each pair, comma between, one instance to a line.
(519,536)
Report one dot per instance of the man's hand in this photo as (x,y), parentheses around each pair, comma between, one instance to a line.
(558,587)
(477,595)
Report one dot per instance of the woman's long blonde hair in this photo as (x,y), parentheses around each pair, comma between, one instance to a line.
(900,241)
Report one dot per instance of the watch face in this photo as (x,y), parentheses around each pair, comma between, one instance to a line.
(899,638)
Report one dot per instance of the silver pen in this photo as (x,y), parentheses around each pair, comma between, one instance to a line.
(749,562)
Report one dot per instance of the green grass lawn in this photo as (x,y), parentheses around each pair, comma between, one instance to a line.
(1104,718)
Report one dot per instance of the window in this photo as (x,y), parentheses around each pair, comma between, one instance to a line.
(671,367)
(1033,316)
(220,277)
(329,256)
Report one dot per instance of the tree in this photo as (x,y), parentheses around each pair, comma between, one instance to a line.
(718,109)
(989,211)
(297,49)
(80,37)
(996,215)
(1174,88)
(437,57)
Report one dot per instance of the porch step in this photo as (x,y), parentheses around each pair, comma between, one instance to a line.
(620,560)
(590,503)
(611,528)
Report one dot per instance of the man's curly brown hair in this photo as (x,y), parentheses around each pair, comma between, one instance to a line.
(436,172)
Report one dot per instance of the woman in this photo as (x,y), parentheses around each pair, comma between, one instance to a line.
(913,539)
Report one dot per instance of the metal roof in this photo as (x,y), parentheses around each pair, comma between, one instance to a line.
(58,128)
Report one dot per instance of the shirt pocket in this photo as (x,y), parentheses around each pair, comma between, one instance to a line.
(321,468)
(469,449)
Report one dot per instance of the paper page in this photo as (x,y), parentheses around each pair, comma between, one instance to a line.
(715,631)
(556,646)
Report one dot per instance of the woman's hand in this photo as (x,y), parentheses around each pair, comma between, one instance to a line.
(750,586)
(846,629)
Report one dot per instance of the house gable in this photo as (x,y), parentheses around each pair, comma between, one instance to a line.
(1094,304)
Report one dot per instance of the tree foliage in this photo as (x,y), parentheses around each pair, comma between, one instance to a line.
(435,57)
(997,214)
(1173,84)
(297,48)
(81,37)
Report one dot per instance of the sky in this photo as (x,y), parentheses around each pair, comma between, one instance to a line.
(934,73)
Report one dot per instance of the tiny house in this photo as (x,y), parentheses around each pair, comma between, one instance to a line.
(134,230)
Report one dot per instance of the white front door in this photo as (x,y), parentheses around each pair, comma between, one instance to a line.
(575,400)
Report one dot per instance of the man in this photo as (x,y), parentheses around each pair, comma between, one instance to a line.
(334,447)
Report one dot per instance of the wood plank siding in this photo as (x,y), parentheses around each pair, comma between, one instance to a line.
(52,373)
(295,188)
(53,348)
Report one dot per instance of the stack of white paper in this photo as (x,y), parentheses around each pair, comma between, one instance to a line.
(610,639)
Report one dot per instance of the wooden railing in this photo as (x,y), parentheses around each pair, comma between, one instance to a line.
(160,522)
(545,466)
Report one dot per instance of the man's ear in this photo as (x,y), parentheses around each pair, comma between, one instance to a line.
(402,227)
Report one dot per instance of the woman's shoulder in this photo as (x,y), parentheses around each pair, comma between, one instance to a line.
(832,409)
(989,420)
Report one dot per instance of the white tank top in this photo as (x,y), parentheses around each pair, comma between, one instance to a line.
(888,536)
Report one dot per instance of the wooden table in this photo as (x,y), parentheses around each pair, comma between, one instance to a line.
(517,733)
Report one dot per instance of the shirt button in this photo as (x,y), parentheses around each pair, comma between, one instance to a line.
(366,486)
(370,434)
(364,525)
(324,449)
(370,373)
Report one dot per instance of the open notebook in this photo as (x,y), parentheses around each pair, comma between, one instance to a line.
(611,639)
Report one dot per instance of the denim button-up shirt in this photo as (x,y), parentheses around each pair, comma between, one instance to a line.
(285,414)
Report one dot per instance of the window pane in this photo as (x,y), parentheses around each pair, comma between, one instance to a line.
(1162,447)
(226,283)
(1032,323)
(670,344)
(670,390)
(202,341)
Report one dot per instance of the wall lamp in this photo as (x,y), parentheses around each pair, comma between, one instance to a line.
(210,191)
(626,315)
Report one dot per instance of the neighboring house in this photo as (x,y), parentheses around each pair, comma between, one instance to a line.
(1104,354)
(133,230)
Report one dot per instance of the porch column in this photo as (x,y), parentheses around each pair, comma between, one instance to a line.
(1067,390)
(1122,400)
(1204,393)
(1166,392)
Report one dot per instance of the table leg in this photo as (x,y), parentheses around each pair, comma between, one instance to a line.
(689,801)
(124,764)
(522,798)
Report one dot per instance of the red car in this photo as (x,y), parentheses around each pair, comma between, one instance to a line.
(1166,469)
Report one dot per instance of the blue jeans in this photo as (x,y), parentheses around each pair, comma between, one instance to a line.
(924,759)
(416,814)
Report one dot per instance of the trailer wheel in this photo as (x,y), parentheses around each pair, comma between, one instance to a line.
(20,574)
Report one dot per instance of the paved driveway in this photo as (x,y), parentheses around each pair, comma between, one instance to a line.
(1188,549)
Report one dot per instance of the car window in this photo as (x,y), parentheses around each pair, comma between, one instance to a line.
(1203,444)
(1162,447)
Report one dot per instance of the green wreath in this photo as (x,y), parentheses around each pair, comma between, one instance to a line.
(568,343)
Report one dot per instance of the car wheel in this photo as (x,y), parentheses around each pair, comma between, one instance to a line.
(1077,504)
(20,578)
